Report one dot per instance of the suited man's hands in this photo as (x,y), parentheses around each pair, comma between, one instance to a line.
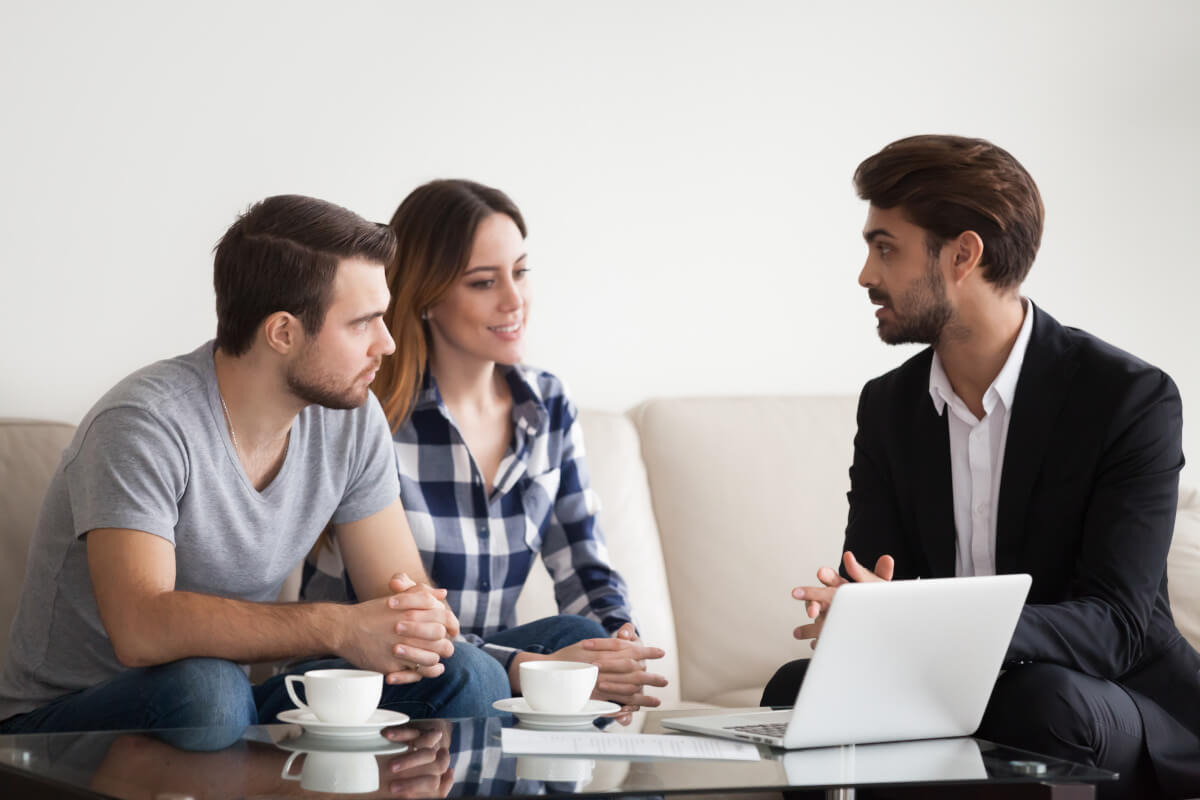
(817,598)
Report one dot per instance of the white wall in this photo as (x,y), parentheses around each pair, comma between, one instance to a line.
(684,167)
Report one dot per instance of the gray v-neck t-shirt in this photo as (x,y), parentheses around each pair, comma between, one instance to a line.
(155,455)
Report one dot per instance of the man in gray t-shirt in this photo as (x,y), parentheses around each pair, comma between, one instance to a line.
(197,484)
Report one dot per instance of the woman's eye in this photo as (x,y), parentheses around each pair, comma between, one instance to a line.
(487,284)
(518,274)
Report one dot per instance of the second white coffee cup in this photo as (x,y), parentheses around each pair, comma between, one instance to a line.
(558,686)
(338,695)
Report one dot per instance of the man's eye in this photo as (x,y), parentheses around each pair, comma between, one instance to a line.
(883,249)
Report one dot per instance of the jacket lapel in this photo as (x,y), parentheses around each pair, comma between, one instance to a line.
(1041,389)
(933,487)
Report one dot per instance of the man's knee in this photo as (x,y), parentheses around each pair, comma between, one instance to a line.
(572,628)
(471,683)
(784,685)
(472,671)
(1043,707)
(201,692)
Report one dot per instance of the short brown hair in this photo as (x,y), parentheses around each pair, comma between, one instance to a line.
(951,184)
(282,255)
(435,230)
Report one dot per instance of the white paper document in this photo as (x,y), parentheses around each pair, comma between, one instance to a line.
(516,741)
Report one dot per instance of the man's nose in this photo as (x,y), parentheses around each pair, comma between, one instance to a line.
(867,277)
(384,341)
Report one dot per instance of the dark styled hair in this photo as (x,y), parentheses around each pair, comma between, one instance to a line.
(435,230)
(282,255)
(951,184)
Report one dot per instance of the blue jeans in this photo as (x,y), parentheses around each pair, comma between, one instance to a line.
(473,680)
(214,694)
(207,693)
(549,633)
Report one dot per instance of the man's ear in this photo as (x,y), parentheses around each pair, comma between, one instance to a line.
(967,252)
(282,332)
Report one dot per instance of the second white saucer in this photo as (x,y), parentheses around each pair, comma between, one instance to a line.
(518,707)
(309,743)
(380,718)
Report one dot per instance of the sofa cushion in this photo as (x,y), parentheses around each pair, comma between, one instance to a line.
(29,453)
(1183,566)
(749,494)
(627,520)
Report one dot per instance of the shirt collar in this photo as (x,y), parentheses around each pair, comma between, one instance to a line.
(529,410)
(1003,388)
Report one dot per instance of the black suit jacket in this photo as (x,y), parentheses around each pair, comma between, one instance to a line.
(1087,507)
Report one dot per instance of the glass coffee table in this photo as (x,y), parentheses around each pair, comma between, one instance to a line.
(463,758)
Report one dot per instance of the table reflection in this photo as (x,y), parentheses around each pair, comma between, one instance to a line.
(463,758)
(423,758)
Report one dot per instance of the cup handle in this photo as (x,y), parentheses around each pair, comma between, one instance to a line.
(287,767)
(287,682)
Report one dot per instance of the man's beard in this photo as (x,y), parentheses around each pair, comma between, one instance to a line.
(324,389)
(922,313)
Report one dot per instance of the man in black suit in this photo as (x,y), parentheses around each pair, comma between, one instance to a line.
(1015,444)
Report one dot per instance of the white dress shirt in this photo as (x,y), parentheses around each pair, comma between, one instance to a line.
(977,454)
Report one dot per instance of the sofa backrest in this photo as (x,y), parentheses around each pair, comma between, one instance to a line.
(29,453)
(1183,566)
(749,495)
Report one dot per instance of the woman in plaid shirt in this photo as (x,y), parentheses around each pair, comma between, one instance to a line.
(489,451)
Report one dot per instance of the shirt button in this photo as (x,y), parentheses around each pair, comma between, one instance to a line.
(485,585)
(982,508)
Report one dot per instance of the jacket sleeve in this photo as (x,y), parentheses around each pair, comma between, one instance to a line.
(1127,526)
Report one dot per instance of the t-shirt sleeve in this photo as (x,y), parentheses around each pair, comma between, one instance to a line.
(372,484)
(130,471)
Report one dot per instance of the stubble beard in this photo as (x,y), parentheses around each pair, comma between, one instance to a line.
(323,389)
(922,313)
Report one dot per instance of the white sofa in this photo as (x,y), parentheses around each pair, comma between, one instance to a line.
(713,509)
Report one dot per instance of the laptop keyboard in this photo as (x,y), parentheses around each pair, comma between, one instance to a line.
(775,729)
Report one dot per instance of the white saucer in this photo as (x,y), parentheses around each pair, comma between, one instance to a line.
(380,718)
(309,743)
(555,719)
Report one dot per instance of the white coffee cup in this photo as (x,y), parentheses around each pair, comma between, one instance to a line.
(558,686)
(338,695)
(343,773)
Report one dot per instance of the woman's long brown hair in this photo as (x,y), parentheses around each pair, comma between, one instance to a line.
(435,230)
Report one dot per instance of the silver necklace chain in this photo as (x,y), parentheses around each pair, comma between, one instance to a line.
(233,434)
(229,419)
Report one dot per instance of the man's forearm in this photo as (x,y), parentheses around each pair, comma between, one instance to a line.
(175,625)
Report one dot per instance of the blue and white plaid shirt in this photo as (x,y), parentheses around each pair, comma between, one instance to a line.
(480,548)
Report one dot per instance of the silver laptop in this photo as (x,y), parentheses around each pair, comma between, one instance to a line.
(895,662)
